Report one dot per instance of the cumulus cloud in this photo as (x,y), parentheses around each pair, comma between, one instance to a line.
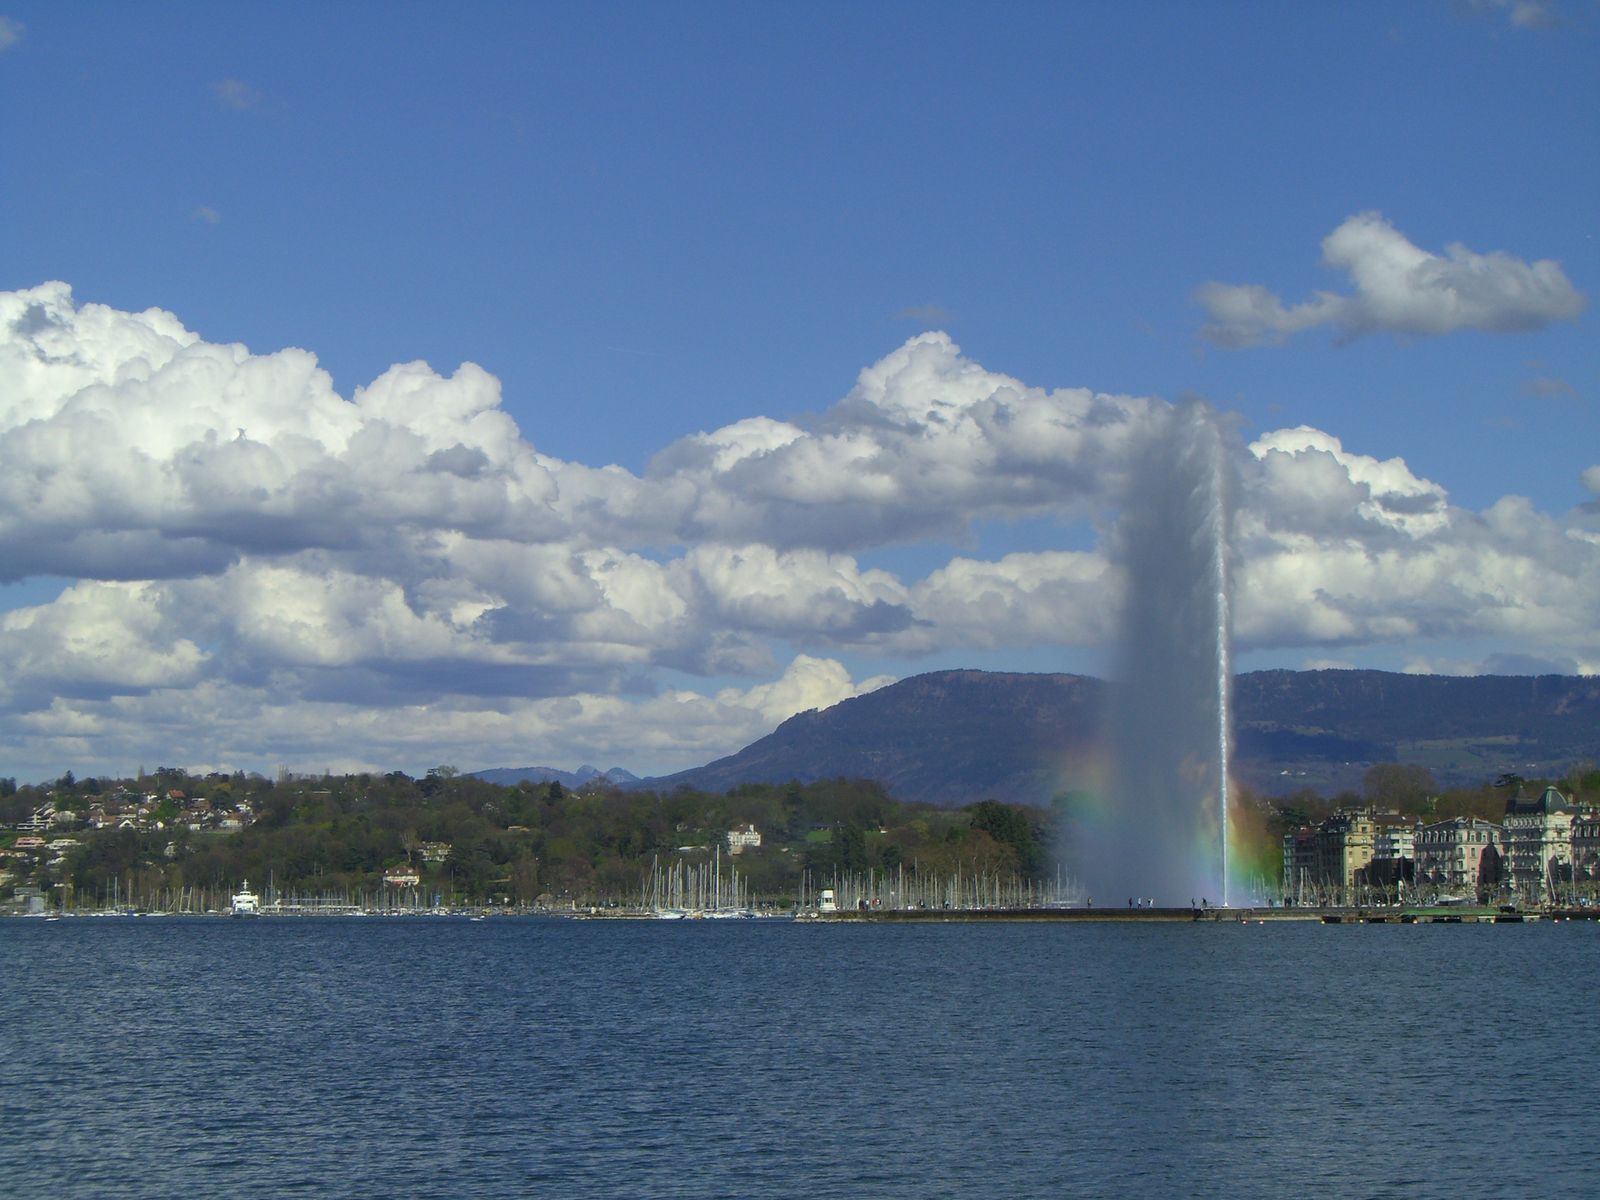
(131,449)
(1591,508)
(1021,599)
(11,32)
(95,638)
(809,683)
(1399,289)
(1306,480)
(126,430)
(264,570)
(1339,549)
(925,443)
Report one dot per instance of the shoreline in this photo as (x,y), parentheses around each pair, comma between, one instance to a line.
(1429,915)
(1432,915)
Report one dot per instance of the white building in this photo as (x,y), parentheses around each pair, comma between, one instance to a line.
(739,839)
(1538,844)
(1458,857)
(39,821)
(1586,854)
(1394,841)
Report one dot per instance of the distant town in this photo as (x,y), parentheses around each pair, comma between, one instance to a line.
(1544,851)
(172,841)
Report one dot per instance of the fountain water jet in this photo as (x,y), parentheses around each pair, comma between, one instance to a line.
(1224,646)
(1164,830)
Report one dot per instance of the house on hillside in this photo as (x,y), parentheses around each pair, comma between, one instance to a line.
(39,820)
(743,838)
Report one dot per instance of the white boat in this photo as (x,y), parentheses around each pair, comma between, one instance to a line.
(245,902)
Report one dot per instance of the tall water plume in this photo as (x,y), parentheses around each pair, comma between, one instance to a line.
(1164,828)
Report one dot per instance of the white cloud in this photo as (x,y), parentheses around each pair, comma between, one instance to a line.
(11,32)
(802,594)
(1398,289)
(1022,599)
(808,683)
(95,636)
(925,443)
(131,449)
(216,724)
(1306,479)
(268,571)
(1315,568)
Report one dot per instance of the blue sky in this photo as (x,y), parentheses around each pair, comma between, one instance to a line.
(648,222)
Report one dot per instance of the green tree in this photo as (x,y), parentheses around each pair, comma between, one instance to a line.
(1011,826)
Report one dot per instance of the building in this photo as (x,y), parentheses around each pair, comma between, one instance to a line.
(743,838)
(1586,855)
(39,820)
(1299,861)
(1459,857)
(1333,862)
(1345,842)
(1538,845)
(1395,840)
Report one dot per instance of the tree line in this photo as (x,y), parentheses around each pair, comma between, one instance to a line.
(473,842)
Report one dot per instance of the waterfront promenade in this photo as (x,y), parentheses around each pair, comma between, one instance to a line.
(1330,916)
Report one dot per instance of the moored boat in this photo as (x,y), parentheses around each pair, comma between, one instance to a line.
(245,902)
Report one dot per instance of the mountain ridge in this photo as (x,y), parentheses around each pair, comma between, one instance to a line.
(952,737)
(508,776)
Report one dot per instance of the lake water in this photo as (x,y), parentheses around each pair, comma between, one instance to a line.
(538,1057)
